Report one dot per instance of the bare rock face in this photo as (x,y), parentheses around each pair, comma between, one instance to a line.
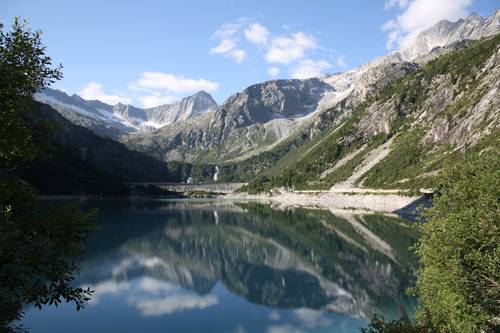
(130,114)
(186,108)
(354,87)
(270,100)
(265,114)
(256,118)
(438,132)
(378,118)
(446,32)
(480,113)
(451,113)
(363,81)
(121,119)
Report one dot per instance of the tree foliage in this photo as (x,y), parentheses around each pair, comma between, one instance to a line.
(24,69)
(459,279)
(403,324)
(40,244)
(458,282)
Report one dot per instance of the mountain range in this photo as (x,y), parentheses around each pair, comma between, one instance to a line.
(120,119)
(435,98)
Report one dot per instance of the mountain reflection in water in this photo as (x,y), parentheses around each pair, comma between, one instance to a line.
(217,266)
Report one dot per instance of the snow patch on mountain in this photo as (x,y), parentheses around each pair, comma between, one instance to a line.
(359,82)
(121,118)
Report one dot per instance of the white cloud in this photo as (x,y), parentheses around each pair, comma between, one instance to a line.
(391,3)
(308,68)
(274,315)
(150,101)
(419,15)
(286,328)
(172,82)
(153,297)
(312,319)
(273,71)
(238,55)
(341,63)
(127,263)
(257,34)
(96,91)
(154,286)
(286,49)
(227,48)
(107,287)
(175,303)
(230,29)
(227,34)
(224,46)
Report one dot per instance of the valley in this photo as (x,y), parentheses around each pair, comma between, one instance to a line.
(282,173)
(392,123)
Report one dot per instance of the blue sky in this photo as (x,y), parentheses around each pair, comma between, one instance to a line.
(153,52)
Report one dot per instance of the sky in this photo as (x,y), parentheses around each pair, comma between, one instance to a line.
(149,53)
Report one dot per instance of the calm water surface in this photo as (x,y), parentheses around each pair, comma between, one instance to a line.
(217,266)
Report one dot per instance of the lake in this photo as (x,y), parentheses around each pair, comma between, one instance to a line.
(222,266)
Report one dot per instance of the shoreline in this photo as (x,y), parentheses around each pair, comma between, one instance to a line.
(390,201)
(355,200)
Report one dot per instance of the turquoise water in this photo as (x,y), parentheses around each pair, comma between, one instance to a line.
(218,266)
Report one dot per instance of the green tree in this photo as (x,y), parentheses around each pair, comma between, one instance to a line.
(40,244)
(24,69)
(404,324)
(459,279)
(458,282)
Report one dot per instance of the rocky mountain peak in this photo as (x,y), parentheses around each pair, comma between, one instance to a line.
(445,32)
(474,17)
(273,99)
(202,94)
(201,101)
(186,108)
(119,119)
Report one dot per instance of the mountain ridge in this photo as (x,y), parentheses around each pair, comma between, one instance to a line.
(444,32)
(404,135)
(270,127)
(244,134)
(121,119)
(78,161)
(260,114)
